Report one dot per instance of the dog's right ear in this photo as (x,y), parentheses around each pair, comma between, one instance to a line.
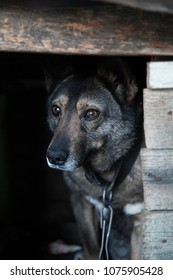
(56,68)
(116,73)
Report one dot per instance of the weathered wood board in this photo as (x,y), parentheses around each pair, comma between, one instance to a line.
(102,29)
(160,75)
(158,118)
(157,235)
(157,167)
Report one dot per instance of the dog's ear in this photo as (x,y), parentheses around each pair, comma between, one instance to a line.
(118,78)
(55,70)
(126,92)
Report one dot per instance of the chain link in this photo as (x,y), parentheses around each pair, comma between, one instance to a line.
(106,216)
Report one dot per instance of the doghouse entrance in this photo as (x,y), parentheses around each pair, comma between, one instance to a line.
(34,202)
(35,208)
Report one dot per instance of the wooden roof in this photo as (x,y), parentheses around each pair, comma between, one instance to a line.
(93,29)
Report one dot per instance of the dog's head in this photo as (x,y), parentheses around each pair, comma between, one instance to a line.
(91,107)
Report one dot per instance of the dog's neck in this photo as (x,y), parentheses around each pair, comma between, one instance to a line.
(117,172)
(104,178)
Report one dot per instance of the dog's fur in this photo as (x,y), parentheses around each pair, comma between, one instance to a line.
(94,112)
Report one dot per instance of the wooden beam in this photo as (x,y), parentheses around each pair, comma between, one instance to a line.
(104,30)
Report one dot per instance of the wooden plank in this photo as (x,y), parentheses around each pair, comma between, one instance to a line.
(158,197)
(160,75)
(157,235)
(158,118)
(157,168)
(108,29)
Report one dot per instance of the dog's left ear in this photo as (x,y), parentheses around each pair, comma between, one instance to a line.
(119,80)
(56,68)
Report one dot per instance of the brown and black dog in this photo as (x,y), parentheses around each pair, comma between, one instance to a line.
(95,113)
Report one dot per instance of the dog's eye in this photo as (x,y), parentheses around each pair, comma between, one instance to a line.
(56,111)
(91,115)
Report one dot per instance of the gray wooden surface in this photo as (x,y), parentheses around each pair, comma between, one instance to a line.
(157,163)
(160,75)
(157,237)
(158,118)
(158,179)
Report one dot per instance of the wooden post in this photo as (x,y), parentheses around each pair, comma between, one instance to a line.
(157,163)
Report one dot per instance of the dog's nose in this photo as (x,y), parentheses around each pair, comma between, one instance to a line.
(57,157)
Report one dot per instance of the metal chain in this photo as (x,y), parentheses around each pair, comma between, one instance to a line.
(106,216)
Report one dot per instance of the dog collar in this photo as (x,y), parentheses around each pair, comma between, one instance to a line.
(94,177)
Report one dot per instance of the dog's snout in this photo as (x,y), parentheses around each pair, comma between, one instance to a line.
(57,157)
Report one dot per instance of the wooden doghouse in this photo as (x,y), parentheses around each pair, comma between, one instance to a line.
(111,29)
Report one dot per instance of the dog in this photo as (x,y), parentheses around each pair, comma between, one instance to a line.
(95,114)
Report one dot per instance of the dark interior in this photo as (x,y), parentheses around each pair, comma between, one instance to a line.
(34,201)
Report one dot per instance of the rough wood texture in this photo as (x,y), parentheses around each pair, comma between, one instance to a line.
(109,29)
(157,235)
(160,75)
(157,168)
(158,118)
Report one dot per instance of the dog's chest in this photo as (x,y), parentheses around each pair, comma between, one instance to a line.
(127,196)
(129,208)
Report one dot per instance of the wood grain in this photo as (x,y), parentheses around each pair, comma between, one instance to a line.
(157,167)
(160,75)
(157,235)
(109,29)
(158,118)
